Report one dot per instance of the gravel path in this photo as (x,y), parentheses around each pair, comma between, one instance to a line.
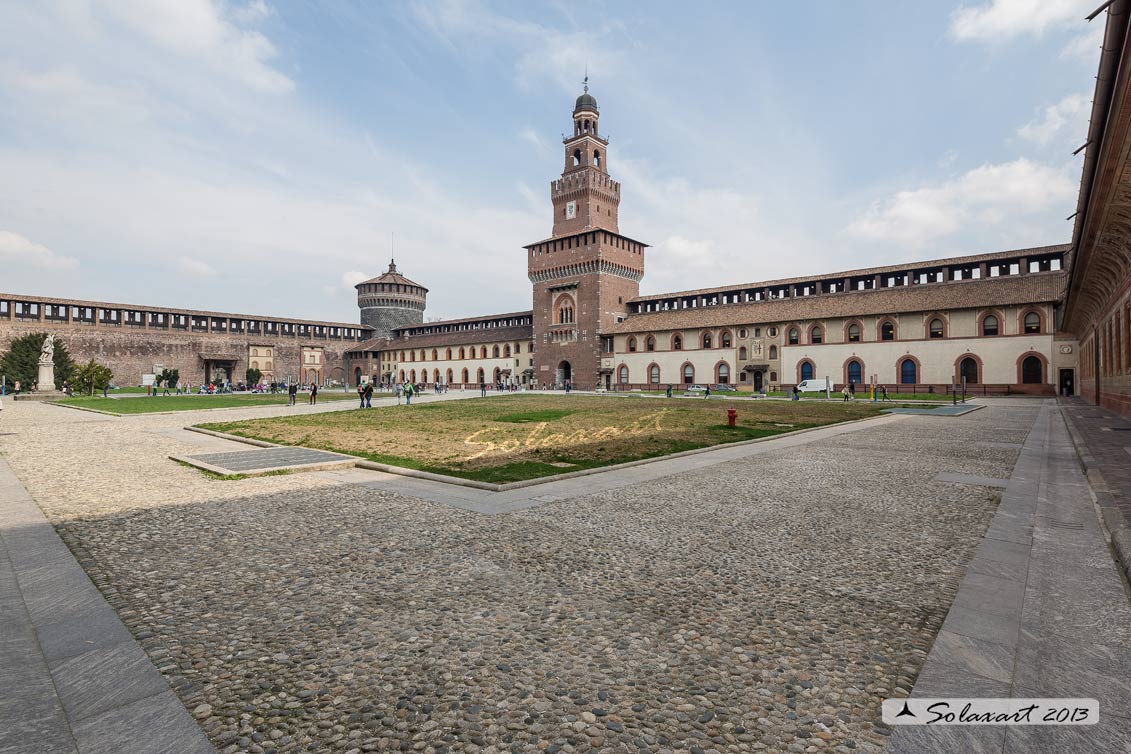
(762,605)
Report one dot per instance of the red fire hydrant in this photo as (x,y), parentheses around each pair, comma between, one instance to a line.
(732,413)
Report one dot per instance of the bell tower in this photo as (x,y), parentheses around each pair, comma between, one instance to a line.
(586,272)
(585,196)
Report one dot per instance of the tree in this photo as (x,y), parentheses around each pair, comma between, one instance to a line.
(253,376)
(21,361)
(92,376)
(170,377)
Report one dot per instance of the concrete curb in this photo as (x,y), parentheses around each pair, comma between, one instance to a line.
(1112,517)
(347,463)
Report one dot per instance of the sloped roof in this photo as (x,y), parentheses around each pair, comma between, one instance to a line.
(391,276)
(1036,287)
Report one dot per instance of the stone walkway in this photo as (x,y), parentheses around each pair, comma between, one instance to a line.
(1042,612)
(75,681)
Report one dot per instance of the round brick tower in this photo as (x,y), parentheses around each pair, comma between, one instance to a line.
(390,301)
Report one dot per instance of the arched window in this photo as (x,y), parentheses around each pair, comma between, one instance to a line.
(773,352)
(724,339)
(887,331)
(1032,322)
(482,352)
(936,328)
(968,371)
(1032,371)
(479,374)
(402,376)
(435,375)
(794,336)
(855,372)
(507,351)
(462,356)
(688,374)
(448,354)
(706,340)
(816,335)
(255,365)
(435,355)
(412,355)
(623,374)
(724,374)
(908,372)
(650,344)
(654,374)
(423,357)
(576,157)
(463,376)
(267,366)
(255,352)
(806,370)
(565,311)
(854,333)
(495,376)
(517,348)
(494,352)
(412,376)
(632,345)
(990,325)
(742,352)
(677,343)
(402,356)
(596,158)
(448,378)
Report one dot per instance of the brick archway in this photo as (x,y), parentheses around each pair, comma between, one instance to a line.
(730,373)
(812,367)
(863,376)
(1021,367)
(1025,313)
(979,375)
(982,322)
(899,370)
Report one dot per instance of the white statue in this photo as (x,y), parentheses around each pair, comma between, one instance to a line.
(47,353)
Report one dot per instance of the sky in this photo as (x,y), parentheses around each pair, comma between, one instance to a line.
(262,157)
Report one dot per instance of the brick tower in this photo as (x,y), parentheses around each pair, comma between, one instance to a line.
(389,301)
(585,273)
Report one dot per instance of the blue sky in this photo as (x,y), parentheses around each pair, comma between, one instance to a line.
(257,156)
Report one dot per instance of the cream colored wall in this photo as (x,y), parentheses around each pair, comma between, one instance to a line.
(516,362)
(937,357)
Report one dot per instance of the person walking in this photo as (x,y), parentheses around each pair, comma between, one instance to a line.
(292,391)
(313,394)
(409,389)
(483,389)
(399,389)
(669,391)
(844,392)
(369,395)
(884,393)
(852,391)
(361,394)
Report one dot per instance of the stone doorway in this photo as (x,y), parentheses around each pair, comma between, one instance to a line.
(564,374)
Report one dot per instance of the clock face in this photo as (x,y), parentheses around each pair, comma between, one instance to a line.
(571,210)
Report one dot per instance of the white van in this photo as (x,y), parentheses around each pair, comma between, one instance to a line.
(814,386)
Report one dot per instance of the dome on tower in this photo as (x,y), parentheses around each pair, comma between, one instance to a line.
(586,102)
(391,276)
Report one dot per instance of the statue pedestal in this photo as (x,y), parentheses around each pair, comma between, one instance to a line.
(46,377)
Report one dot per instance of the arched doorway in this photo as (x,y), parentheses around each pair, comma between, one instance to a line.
(855,373)
(1032,371)
(758,381)
(806,370)
(968,371)
(356,376)
(564,373)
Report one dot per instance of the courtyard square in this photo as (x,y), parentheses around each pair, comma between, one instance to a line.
(768,603)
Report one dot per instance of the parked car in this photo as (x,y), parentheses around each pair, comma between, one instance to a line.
(720,388)
(695,389)
(813,386)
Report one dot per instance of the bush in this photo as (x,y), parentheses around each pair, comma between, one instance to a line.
(92,376)
(21,362)
(170,377)
(253,376)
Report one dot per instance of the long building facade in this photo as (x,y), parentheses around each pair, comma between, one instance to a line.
(1000,323)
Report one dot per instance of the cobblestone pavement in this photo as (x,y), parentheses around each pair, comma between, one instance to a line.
(758,605)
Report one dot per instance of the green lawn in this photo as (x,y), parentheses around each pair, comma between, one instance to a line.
(517,437)
(193,402)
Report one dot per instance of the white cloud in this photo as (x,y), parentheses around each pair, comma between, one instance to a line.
(528,134)
(1070,114)
(352,278)
(1004,19)
(982,198)
(18,250)
(1086,47)
(198,29)
(543,53)
(195,267)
